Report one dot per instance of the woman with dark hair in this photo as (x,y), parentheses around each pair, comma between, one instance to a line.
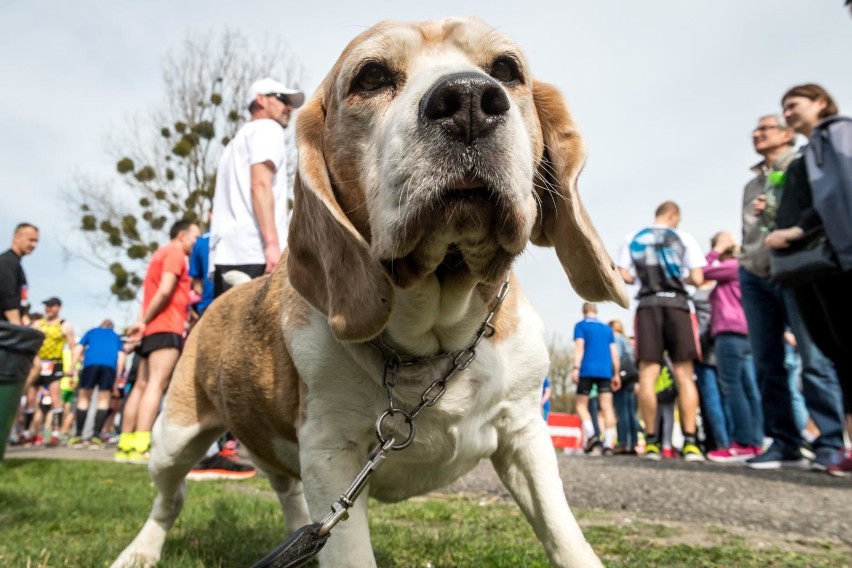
(818,194)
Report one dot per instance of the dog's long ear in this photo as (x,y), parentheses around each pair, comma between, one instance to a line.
(329,261)
(563,222)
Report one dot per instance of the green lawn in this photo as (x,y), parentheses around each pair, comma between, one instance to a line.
(63,513)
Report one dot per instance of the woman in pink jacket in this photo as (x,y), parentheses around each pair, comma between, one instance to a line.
(733,353)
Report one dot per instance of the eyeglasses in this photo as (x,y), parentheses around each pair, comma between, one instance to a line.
(765,128)
(282,98)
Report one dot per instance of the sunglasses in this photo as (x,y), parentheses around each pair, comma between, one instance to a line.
(284,99)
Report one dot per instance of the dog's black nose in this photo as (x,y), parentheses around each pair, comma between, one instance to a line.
(467,105)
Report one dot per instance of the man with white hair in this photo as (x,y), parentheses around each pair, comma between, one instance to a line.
(770,309)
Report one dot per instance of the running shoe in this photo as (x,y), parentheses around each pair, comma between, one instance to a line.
(608,452)
(76,443)
(652,452)
(843,468)
(54,440)
(218,466)
(776,458)
(96,443)
(137,457)
(121,456)
(692,453)
(38,441)
(591,444)
(669,453)
(735,454)
(825,458)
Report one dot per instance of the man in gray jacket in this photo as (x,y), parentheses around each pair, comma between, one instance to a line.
(769,309)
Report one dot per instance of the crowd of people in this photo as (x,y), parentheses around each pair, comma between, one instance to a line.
(757,350)
(183,277)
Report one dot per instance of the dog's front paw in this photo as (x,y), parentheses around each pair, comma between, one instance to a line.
(135,559)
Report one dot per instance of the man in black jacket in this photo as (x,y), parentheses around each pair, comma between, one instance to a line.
(13,282)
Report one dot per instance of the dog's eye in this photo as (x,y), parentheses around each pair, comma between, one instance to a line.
(373,76)
(505,70)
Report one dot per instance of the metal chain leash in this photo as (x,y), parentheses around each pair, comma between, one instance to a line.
(305,543)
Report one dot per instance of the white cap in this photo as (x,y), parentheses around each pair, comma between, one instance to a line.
(269,86)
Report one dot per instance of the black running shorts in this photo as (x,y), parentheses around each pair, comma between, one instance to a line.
(585,385)
(157,341)
(661,329)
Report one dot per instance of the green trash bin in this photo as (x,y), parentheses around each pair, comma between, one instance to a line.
(18,346)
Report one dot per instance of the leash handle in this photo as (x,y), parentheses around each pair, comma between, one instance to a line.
(306,542)
(297,550)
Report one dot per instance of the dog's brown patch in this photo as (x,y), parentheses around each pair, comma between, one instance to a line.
(244,377)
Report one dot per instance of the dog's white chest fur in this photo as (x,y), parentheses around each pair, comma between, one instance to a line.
(451,437)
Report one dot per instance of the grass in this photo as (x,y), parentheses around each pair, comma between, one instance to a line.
(61,513)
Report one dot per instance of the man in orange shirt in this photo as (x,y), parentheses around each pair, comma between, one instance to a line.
(161,326)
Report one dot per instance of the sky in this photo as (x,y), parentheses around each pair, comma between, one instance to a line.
(666,93)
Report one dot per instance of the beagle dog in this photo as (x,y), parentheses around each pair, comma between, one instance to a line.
(428,158)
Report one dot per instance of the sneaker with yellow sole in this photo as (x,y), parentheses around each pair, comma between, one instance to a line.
(692,453)
(652,451)
(137,457)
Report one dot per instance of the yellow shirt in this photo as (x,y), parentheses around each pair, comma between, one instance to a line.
(54,340)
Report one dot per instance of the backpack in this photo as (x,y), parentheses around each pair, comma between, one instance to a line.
(626,365)
(627,370)
(828,159)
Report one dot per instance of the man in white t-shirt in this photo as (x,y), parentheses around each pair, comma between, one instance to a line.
(249,229)
(663,260)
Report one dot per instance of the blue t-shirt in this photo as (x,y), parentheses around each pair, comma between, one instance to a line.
(597,358)
(102,347)
(199,262)
(545,408)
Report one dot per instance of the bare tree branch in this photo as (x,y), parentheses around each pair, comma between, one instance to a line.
(166,158)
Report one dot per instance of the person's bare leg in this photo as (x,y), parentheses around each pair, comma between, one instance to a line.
(55,408)
(583,407)
(608,411)
(161,363)
(84,397)
(648,373)
(131,407)
(104,396)
(67,417)
(687,395)
(586,419)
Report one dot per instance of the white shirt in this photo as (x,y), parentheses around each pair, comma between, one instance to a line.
(234,233)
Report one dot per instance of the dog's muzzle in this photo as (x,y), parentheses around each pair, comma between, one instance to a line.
(467,106)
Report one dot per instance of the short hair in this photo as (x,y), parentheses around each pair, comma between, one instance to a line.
(182,225)
(21,226)
(666,207)
(589,308)
(813,92)
(617,326)
(782,123)
(107,324)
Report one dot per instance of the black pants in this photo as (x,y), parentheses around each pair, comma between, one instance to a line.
(826,308)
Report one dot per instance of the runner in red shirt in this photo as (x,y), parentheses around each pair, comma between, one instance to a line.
(161,326)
